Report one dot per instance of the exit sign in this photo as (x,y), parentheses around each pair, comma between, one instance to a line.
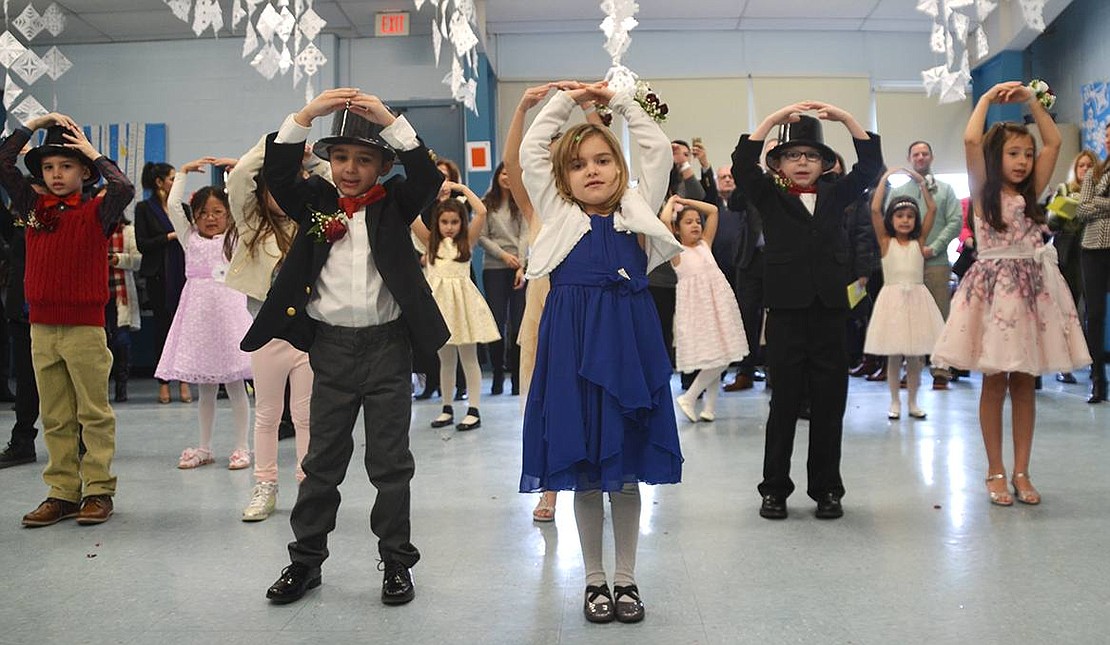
(391,24)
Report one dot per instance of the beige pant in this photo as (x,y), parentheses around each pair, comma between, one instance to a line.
(937,282)
(71,367)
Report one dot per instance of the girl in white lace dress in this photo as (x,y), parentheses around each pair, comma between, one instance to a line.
(449,243)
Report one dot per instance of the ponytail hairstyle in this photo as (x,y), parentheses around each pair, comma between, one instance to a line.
(990,193)
(496,195)
(197,202)
(434,237)
(153,172)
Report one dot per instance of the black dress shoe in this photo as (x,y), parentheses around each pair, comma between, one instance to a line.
(498,385)
(476,423)
(1098,392)
(773,507)
(295,580)
(598,606)
(440,422)
(828,507)
(14,455)
(630,609)
(397,586)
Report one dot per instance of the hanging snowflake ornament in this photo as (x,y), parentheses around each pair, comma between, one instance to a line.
(1033,13)
(310,23)
(11,91)
(983,8)
(286,22)
(28,23)
(237,13)
(929,7)
(461,35)
(931,79)
(285,59)
(266,61)
(180,8)
(10,49)
(207,14)
(619,21)
(267,23)
(56,64)
(53,20)
(311,59)
(28,109)
(29,67)
(250,40)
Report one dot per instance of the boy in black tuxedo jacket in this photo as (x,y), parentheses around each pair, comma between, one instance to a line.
(805,290)
(351,294)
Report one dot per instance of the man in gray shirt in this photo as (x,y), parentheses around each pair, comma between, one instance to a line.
(945,229)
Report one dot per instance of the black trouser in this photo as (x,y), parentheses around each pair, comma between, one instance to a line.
(749,295)
(119,342)
(1096,280)
(507,305)
(163,313)
(805,353)
(26,391)
(357,368)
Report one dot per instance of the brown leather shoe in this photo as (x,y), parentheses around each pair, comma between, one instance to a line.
(49,512)
(940,383)
(741,382)
(95,509)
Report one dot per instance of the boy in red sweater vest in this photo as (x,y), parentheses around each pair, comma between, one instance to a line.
(66,282)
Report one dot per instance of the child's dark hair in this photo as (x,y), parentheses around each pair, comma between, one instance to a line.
(496,195)
(196,204)
(153,171)
(991,192)
(453,173)
(462,239)
(897,205)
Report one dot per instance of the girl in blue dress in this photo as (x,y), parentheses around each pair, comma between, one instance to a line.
(599,416)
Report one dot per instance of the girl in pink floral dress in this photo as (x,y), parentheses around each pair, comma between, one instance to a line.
(1012,317)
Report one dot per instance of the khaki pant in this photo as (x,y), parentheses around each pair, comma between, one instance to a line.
(937,282)
(71,365)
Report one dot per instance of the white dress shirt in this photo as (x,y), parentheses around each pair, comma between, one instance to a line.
(350,291)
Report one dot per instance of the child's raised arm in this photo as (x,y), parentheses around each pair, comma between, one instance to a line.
(973,134)
(930,205)
(666,214)
(478,207)
(174,203)
(877,199)
(709,230)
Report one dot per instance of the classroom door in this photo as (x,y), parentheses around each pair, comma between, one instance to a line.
(440,124)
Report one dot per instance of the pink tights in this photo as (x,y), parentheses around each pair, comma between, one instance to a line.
(272,364)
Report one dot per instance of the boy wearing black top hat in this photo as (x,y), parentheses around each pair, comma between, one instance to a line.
(805,290)
(352,295)
(66,290)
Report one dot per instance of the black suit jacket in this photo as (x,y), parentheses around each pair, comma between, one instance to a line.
(283,314)
(751,227)
(805,256)
(152,238)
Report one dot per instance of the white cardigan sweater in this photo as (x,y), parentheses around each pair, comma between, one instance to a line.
(563,221)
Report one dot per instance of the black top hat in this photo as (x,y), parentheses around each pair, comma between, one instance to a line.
(805,132)
(351,128)
(55,144)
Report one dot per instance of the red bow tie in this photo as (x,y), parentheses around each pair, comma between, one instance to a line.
(794,189)
(53,201)
(351,205)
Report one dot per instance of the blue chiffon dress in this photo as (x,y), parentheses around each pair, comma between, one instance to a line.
(599,413)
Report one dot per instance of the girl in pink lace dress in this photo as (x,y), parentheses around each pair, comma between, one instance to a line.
(708,331)
(203,344)
(1012,317)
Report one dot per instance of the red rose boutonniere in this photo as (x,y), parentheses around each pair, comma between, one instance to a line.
(328,227)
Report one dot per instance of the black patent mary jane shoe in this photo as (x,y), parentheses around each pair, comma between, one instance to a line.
(471,421)
(397,585)
(598,606)
(446,418)
(296,579)
(630,609)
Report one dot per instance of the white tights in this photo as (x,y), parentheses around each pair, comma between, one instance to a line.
(240,408)
(706,381)
(913,378)
(448,357)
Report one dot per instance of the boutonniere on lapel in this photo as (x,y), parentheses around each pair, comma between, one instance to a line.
(789,187)
(328,227)
(44,223)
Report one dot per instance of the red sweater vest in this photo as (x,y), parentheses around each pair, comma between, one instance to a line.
(66,279)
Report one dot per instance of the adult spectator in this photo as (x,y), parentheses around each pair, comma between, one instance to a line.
(1094,212)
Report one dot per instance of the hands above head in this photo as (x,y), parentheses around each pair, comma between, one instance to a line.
(372,108)
(76,139)
(1009,92)
(598,92)
(54,118)
(326,102)
(227,163)
(699,153)
(198,165)
(533,96)
(790,113)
